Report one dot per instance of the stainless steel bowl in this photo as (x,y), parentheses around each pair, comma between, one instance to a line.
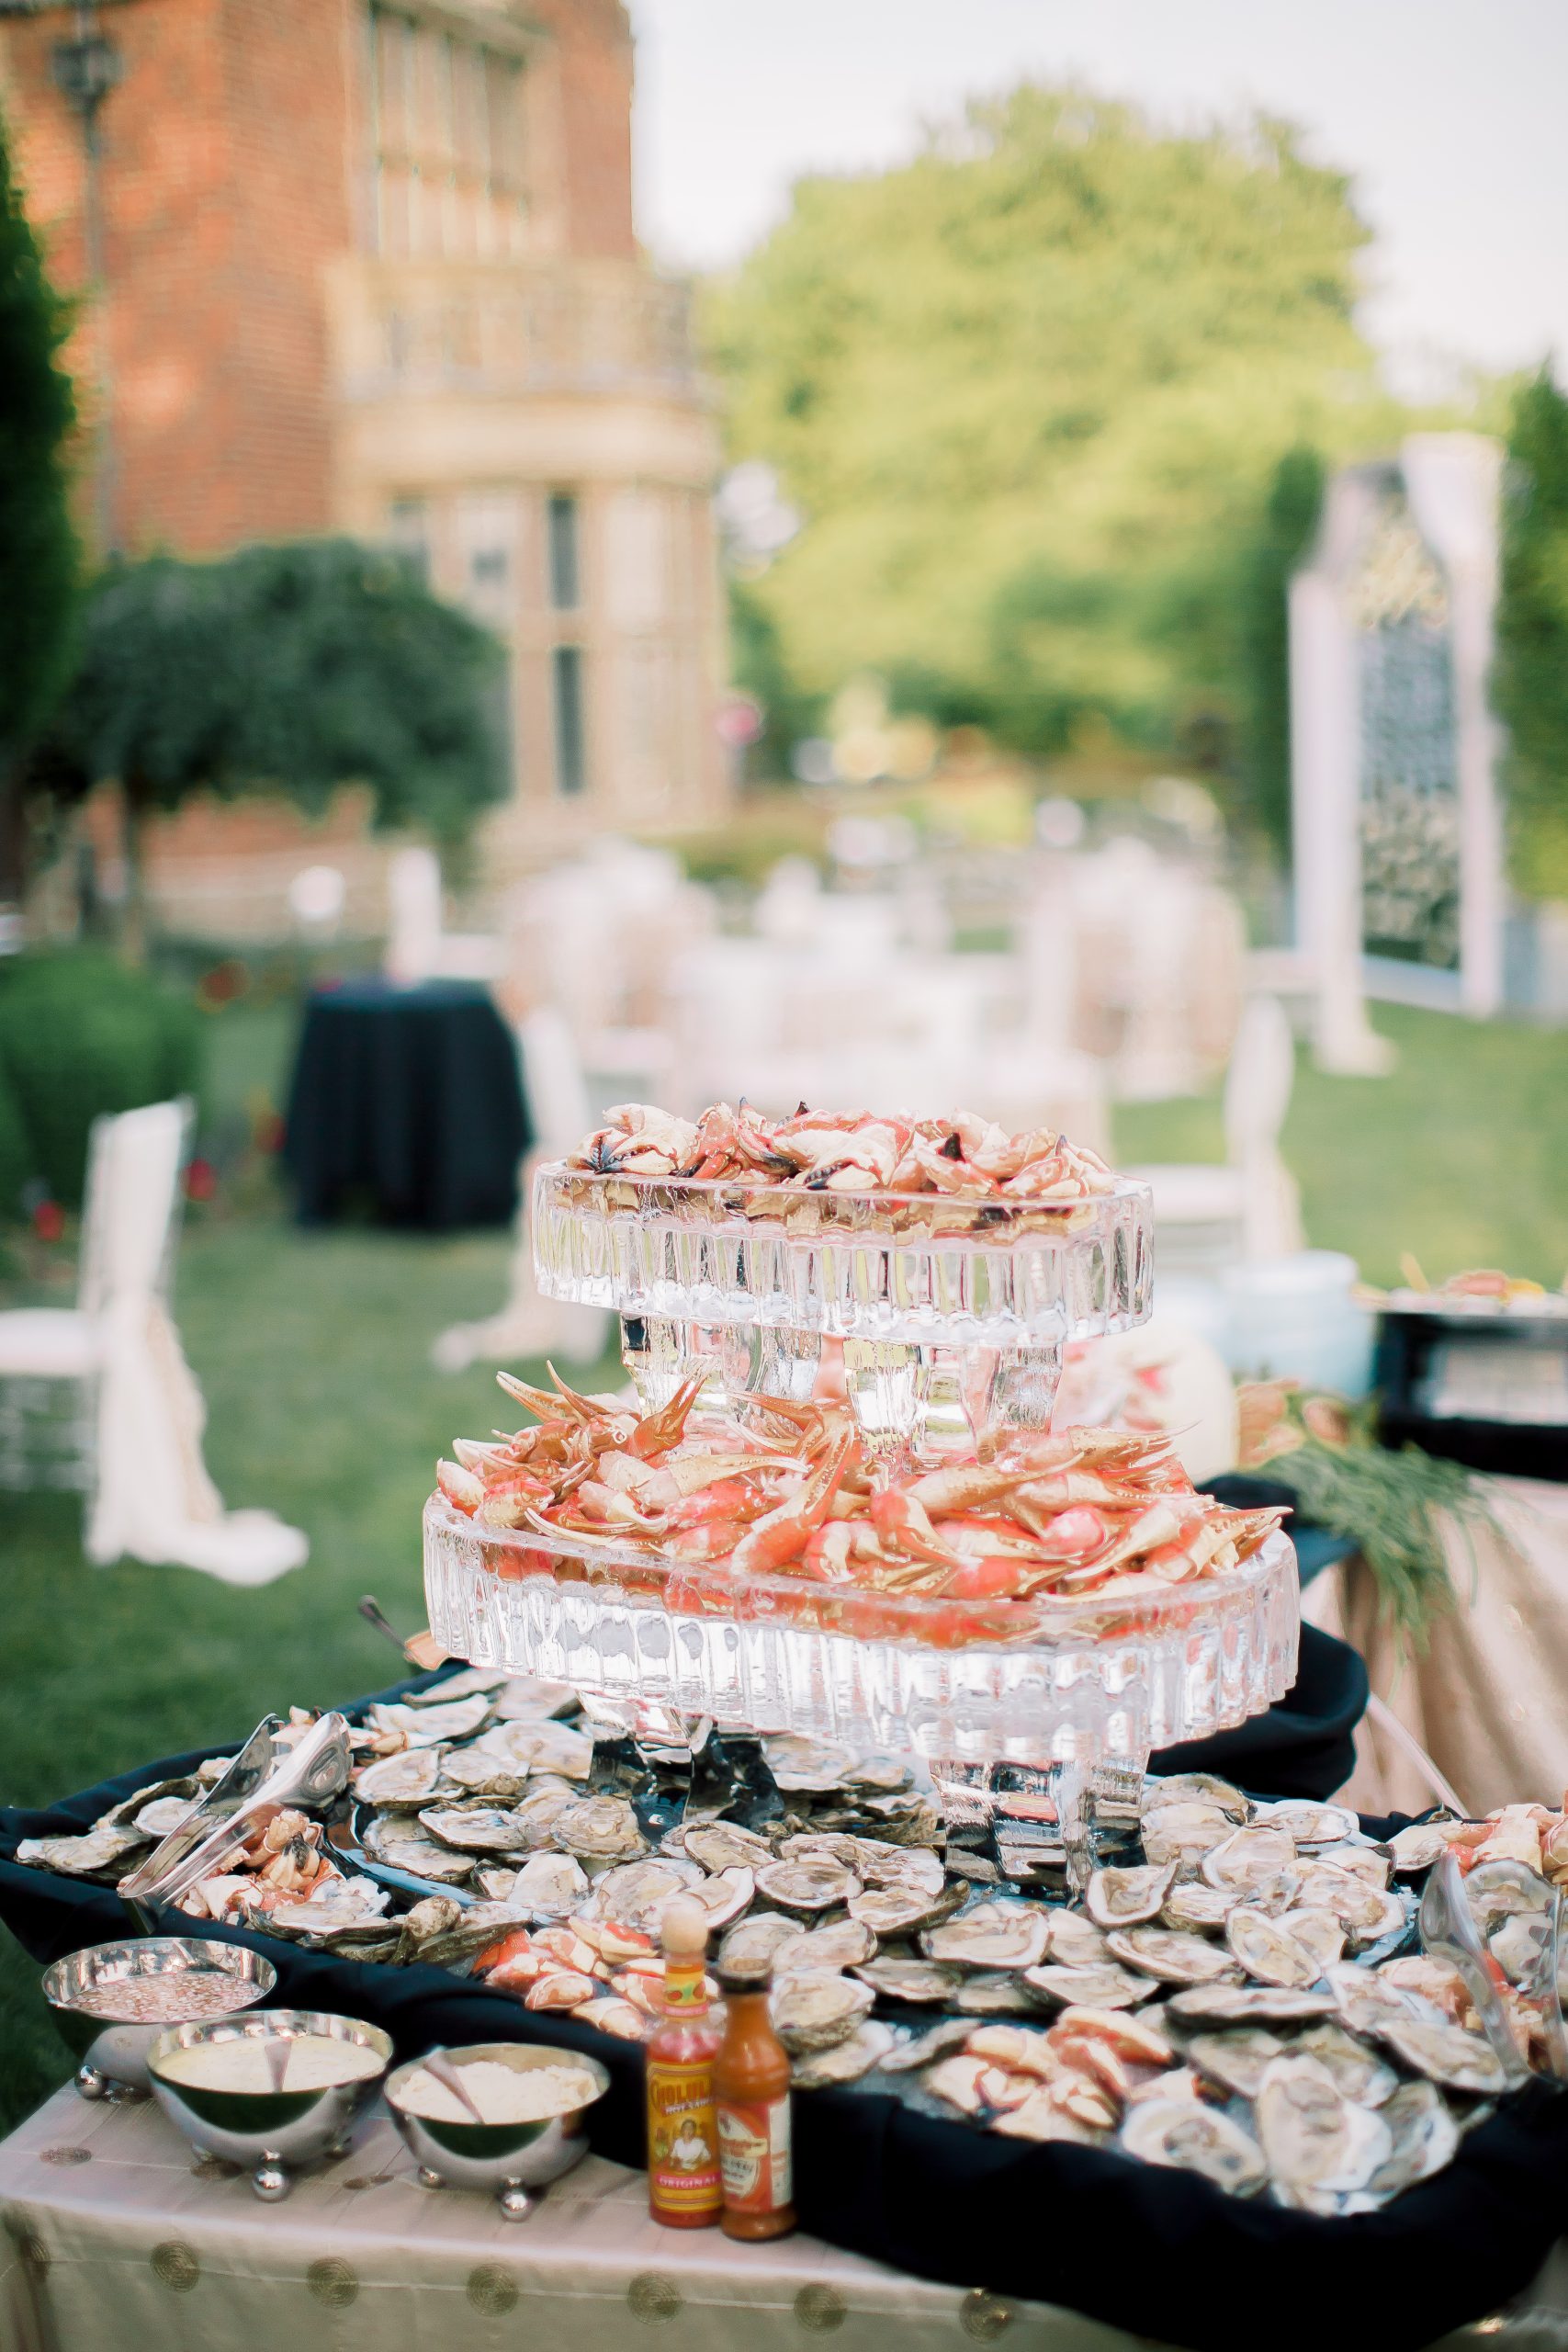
(511,2160)
(273,2133)
(113,2052)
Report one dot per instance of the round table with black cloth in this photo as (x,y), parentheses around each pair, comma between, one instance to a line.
(1161,2253)
(406,1102)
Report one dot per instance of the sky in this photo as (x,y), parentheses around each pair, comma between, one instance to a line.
(1449,115)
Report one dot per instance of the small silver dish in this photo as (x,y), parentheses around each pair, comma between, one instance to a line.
(273,2134)
(112,2052)
(511,2161)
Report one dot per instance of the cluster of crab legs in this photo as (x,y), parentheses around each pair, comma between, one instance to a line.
(781,1487)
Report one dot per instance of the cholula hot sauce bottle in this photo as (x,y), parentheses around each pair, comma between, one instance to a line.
(751,2087)
(683,2189)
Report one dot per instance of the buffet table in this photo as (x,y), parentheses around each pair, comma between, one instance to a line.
(112,2239)
(1488,1697)
(408,1099)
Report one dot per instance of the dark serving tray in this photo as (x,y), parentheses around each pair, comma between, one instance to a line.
(1161,2253)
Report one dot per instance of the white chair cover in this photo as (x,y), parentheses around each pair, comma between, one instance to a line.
(153,1498)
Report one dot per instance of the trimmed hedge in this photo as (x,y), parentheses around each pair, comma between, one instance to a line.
(81,1035)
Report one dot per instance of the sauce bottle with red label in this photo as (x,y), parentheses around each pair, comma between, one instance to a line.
(750,2083)
(684,2188)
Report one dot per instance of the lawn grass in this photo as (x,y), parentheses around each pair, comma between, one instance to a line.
(312,1349)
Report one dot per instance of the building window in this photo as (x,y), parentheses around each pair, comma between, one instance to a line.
(408,528)
(570,765)
(446,138)
(486,528)
(566,590)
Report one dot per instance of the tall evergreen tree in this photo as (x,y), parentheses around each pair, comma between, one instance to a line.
(1530,685)
(38,552)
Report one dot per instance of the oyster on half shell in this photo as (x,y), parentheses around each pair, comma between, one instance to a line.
(815,2011)
(1172,1955)
(1118,1898)
(845,2062)
(1192,2138)
(993,1933)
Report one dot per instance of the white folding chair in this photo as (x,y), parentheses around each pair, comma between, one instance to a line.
(1209,1217)
(139,1414)
(529,1325)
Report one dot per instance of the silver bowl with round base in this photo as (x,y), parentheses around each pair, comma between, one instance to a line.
(511,2161)
(113,2050)
(272,2134)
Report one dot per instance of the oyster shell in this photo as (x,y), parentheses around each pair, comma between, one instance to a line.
(541,1746)
(434,1725)
(398,1841)
(1193,2138)
(1269,1951)
(807,1887)
(1197,1908)
(483,1680)
(1073,1941)
(899,1910)
(724,1896)
(599,1826)
(1183,1834)
(1357,1856)
(164,1815)
(549,1886)
(523,1698)
(1420,1844)
(1309,1824)
(995,1932)
(813,2012)
(920,1982)
(1172,1956)
(1366,1913)
(94,1854)
(1104,1986)
(1248,1856)
(401,1782)
(998,1993)
(722,1846)
(881,1775)
(476,1829)
(1196,1787)
(1445,2054)
(1366,2002)
(542,1807)
(636,1893)
(842,1943)
(1319,2146)
(1424,2135)
(1040,2119)
(876,1863)
(813,1767)
(1228,2005)
(479,1775)
(1237,2060)
(956,2082)
(1125,1898)
(1318,1931)
(752,1942)
(1359,2072)
(845,2062)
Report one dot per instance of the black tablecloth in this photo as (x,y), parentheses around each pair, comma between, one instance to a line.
(1159,2253)
(407,1102)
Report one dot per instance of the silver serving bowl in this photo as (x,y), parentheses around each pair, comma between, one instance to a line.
(271,2134)
(511,2160)
(113,2052)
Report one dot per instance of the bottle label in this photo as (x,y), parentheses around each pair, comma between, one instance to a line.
(754,2153)
(682,2138)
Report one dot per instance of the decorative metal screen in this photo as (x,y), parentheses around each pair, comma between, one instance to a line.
(1410,867)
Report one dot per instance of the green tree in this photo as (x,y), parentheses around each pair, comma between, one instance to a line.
(1029,391)
(37,546)
(1529,685)
(290,669)
(1283,534)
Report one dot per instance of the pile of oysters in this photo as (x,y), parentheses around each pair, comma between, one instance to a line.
(1238,1991)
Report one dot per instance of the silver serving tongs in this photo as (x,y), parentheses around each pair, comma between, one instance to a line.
(260,1783)
(1449,1932)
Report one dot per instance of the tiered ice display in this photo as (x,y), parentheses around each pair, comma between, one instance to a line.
(952,1314)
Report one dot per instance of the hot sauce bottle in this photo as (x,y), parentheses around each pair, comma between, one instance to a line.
(750,2086)
(684,2190)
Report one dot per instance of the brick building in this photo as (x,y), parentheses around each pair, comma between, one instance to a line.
(370,266)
